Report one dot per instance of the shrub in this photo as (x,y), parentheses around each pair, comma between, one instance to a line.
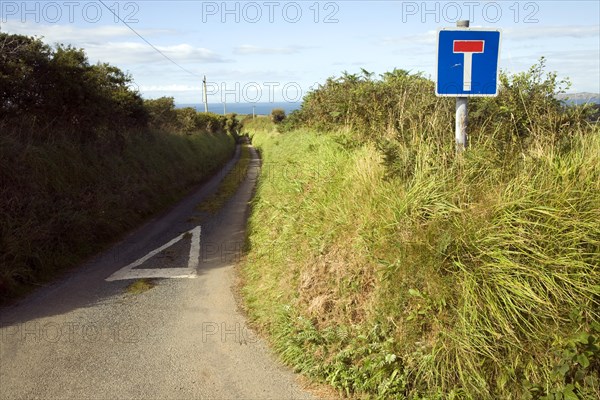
(187,120)
(161,113)
(210,122)
(277,115)
(45,89)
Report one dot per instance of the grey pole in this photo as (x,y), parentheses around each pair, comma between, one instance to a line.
(462,113)
(205,96)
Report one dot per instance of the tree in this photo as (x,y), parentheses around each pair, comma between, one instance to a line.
(24,70)
(56,89)
(186,119)
(277,115)
(161,113)
(210,122)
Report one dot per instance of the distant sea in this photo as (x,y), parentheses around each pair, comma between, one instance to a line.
(245,108)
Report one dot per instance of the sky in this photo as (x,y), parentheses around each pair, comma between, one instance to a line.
(265,51)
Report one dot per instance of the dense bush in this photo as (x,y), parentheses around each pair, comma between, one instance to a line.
(161,113)
(257,124)
(233,124)
(396,108)
(187,119)
(44,90)
(527,108)
(277,115)
(386,108)
(47,90)
(210,122)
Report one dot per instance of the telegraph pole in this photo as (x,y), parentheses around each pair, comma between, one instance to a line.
(462,113)
(205,96)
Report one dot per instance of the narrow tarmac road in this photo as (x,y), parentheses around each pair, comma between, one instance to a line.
(88,337)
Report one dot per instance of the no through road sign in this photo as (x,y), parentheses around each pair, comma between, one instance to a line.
(467,62)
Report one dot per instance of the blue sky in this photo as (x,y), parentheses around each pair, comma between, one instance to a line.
(277,50)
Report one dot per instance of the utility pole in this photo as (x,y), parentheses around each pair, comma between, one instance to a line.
(205,95)
(462,113)
(224,107)
(253,112)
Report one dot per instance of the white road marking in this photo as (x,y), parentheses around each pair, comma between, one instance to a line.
(129,272)
(194,258)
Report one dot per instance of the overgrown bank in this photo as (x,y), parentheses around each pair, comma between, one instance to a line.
(83,158)
(388,267)
(62,201)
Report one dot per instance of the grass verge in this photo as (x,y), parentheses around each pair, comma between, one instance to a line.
(140,286)
(475,277)
(228,185)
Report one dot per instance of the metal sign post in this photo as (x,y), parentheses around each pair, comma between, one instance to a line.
(467,67)
(462,111)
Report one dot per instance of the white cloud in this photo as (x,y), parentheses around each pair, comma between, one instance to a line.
(70,34)
(354,64)
(520,33)
(102,43)
(247,49)
(141,53)
(171,88)
(580,66)
(429,37)
(522,47)
(554,31)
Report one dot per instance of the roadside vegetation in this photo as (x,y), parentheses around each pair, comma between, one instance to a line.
(83,158)
(229,184)
(386,265)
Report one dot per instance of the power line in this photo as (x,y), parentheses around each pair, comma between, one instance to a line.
(147,42)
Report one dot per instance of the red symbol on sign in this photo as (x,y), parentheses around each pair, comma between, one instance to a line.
(468,48)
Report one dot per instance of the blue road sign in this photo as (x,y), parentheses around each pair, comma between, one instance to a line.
(467,62)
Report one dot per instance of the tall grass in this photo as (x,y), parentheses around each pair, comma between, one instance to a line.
(60,200)
(259,123)
(389,267)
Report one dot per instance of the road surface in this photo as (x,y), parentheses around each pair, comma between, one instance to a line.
(88,337)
